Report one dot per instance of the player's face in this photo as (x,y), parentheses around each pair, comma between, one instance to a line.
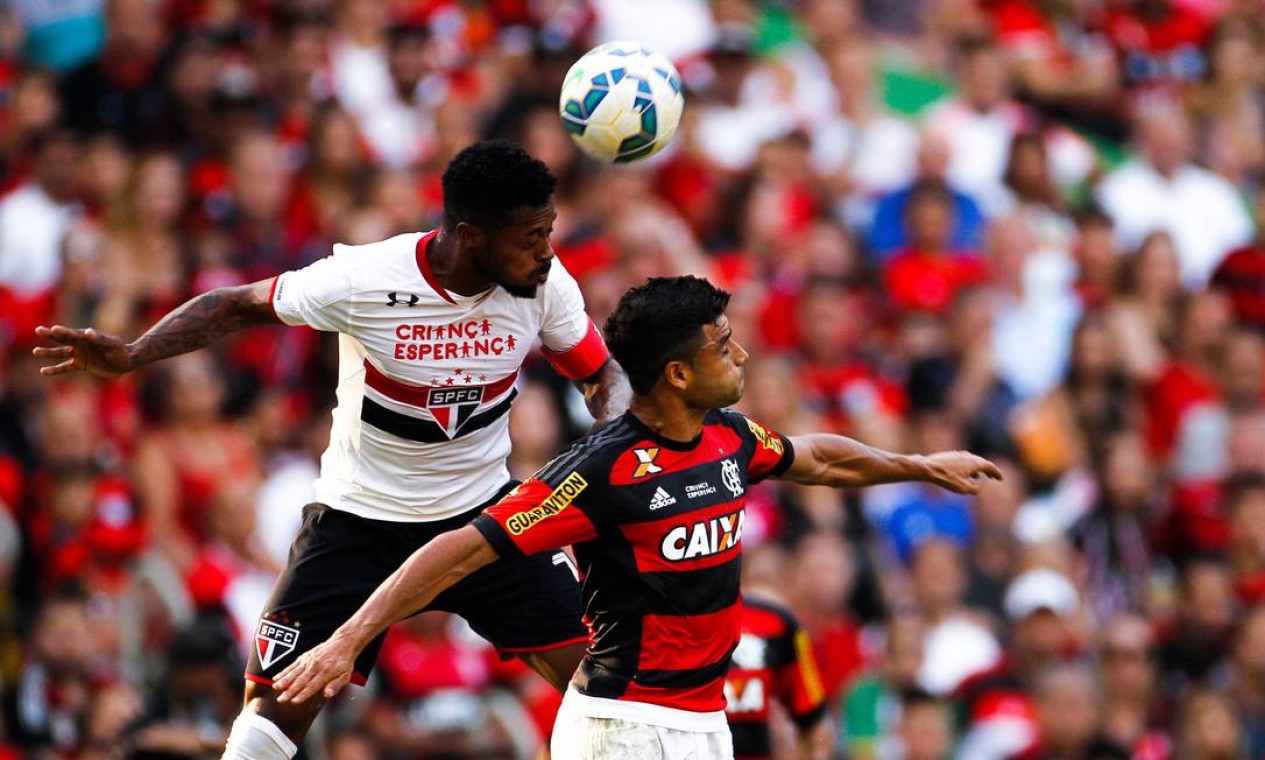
(518,254)
(718,374)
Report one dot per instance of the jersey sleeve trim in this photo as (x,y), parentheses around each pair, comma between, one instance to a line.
(788,456)
(272,296)
(582,360)
(423,265)
(497,537)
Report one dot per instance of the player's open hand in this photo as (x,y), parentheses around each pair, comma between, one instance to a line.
(85,350)
(322,671)
(961,471)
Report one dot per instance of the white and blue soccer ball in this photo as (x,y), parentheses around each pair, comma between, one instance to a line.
(621,102)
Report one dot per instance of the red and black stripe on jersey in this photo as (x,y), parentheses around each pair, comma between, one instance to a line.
(774,661)
(656,526)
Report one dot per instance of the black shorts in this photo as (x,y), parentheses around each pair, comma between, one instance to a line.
(338,559)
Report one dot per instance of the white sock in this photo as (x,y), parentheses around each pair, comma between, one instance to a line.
(254,737)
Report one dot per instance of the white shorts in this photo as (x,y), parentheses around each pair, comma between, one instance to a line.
(580,737)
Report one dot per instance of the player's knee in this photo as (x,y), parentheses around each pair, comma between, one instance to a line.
(254,737)
(291,720)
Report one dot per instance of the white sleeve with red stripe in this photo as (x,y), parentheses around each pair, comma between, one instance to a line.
(318,295)
(572,343)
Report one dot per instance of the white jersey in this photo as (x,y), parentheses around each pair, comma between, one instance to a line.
(426,377)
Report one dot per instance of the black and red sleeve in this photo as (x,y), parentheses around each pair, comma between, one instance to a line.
(539,515)
(796,681)
(771,452)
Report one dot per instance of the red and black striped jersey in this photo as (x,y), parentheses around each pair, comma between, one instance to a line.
(773,662)
(656,527)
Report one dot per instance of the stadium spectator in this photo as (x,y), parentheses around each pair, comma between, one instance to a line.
(1112,539)
(928,274)
(34,220)
(1241,275)
(47,707)
(1135,714)
(822,573)
(957,641)
(120,90)
(1069,717)
(1163,190)
(925,730)
(999,717)
(889,232)
(872,706)
(979,124)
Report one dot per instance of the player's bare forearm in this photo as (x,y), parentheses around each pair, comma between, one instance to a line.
(841,462)
(607,393)
(198,323)
(204,319)
(324,670)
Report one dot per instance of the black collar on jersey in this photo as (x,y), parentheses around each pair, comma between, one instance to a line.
(666,443)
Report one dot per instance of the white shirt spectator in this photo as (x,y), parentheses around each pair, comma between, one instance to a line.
(880,156)
(1032,336)
(731,136)
(1200,210)
(32,228)
(954,650)
(402,134)
(679,29)
(979,144)
(362,79)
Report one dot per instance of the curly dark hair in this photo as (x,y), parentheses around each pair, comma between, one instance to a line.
(659,322)
(487,181)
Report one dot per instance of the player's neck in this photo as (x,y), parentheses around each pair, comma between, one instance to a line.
(457,273)
(668,417)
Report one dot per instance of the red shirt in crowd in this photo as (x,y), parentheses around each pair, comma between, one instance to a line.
(920,281)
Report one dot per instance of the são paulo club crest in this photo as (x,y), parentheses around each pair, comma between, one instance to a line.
(274,641)
(451,407)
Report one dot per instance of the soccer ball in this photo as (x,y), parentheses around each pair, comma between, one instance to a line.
(621,102)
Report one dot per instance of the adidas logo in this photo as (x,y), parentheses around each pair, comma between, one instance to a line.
(661,499)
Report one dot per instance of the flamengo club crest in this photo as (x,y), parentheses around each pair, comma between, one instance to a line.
(729,474)
(274,641)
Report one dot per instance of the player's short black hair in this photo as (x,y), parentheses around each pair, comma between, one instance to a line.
(487,181)
(659,322)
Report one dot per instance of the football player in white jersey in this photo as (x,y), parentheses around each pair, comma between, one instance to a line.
(433,328)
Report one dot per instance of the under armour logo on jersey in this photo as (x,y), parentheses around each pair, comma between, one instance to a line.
(661,499)
(393,299)
(645,462)
(729,474)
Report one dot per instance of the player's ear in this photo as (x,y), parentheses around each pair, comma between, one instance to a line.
(470,235)
(677,374)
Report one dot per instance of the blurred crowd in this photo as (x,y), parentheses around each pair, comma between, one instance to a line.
(1031,228)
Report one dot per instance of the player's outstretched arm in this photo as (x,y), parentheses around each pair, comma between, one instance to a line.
(327,668)
(840,462)
(199,322)
(607,393)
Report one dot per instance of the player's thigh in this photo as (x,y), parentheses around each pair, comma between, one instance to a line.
(336,562)
(523,606)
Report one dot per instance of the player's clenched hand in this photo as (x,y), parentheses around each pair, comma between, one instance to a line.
(960,471)
(324,671)
(86,350)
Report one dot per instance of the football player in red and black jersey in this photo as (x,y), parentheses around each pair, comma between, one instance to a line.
(653,504)
(773,663)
